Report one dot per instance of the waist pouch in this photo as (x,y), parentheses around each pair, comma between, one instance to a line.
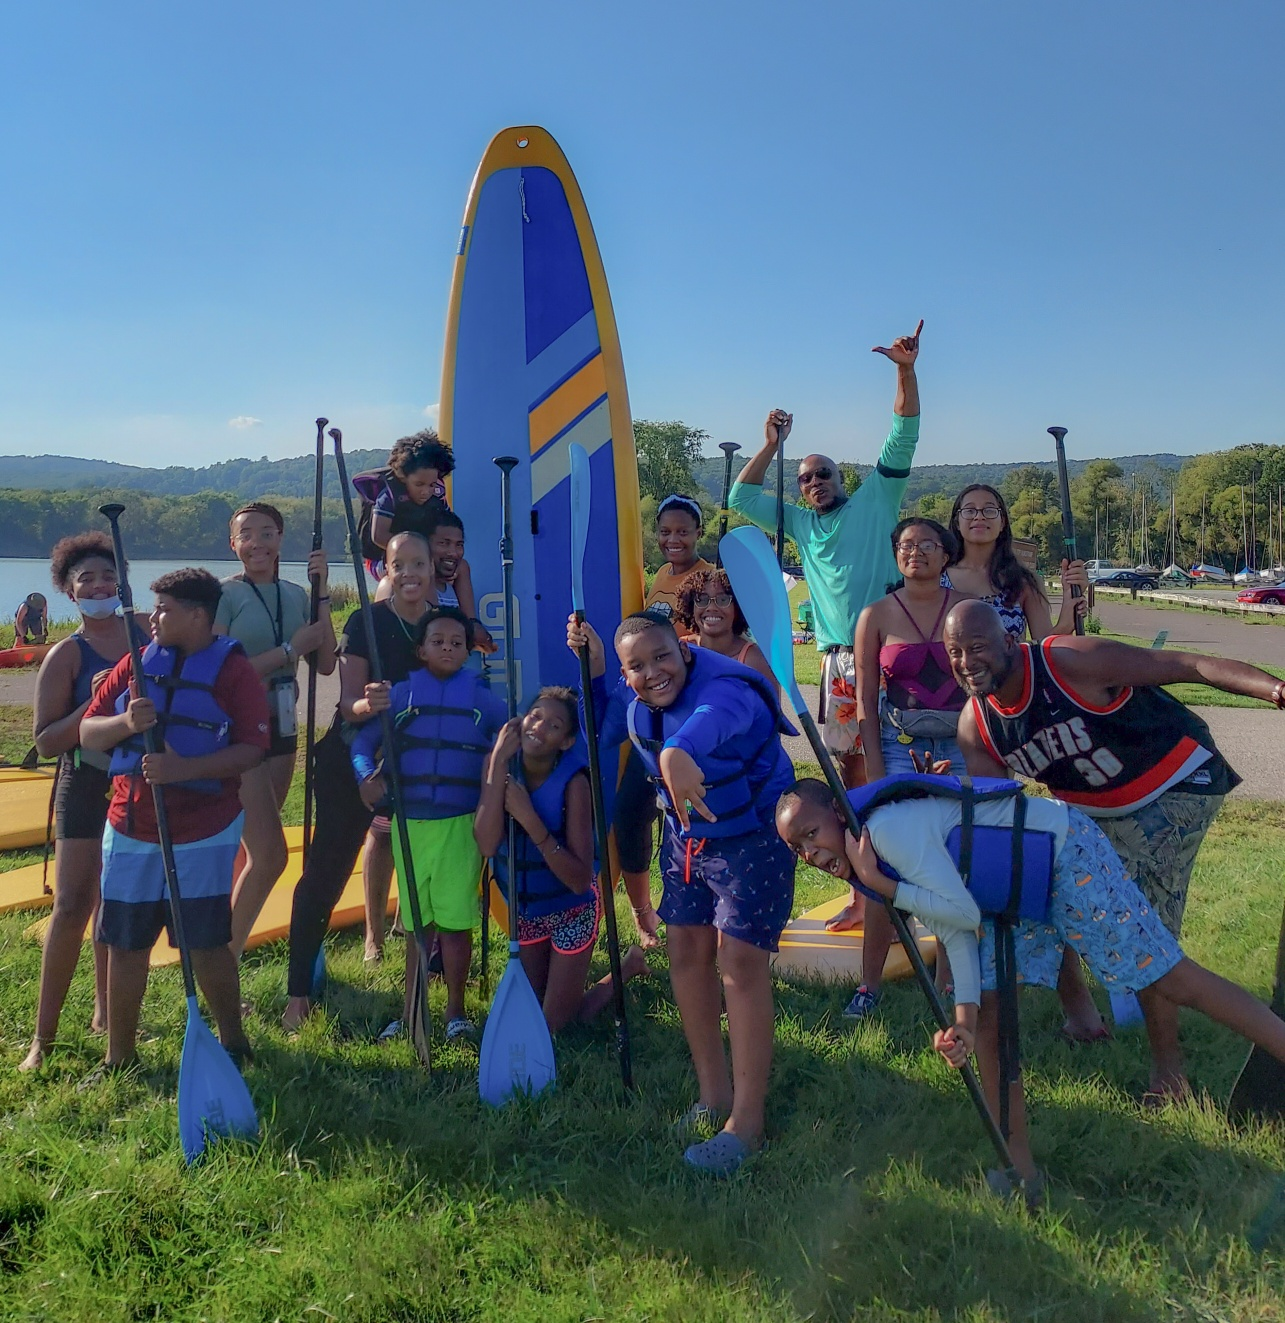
(922,722)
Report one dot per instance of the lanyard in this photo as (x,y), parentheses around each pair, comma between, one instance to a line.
(278,630)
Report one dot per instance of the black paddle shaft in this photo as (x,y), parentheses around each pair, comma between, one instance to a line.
(310,734)
(601,832)
(907,940)
(152,744)
(729,448)
(506,464)
(1068,519)
(780,498)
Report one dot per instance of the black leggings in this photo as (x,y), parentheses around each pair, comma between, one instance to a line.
(342,821)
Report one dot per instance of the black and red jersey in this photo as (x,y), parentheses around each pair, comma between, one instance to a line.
(1108,760)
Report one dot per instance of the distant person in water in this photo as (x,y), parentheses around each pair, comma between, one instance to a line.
(31,621)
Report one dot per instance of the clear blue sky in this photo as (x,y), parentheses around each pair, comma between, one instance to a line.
(248,211)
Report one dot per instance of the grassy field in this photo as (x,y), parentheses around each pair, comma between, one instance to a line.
(379,1193)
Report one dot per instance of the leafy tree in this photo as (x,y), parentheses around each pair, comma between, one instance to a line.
(666,455)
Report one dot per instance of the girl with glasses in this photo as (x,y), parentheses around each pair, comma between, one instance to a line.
(708,607)
(985,567)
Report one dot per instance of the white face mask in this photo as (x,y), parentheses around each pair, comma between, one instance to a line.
(98,608)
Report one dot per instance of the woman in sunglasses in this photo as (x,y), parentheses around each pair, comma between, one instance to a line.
(985,567)
(708,607)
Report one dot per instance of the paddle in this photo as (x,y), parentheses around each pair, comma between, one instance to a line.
(761,593)
(318,986)
(581,502)
(212,1096)
(1068,519)
(780,501)
(729,448)
(517,1051)
(420,1016)
(1260,1086)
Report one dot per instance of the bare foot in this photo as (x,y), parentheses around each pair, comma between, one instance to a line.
(634,965)
(1165,1089)
(647,921)
(36,1057)
(298,1009)
(98,1025)
(852,915)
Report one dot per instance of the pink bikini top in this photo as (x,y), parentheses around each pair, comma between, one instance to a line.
(918,675)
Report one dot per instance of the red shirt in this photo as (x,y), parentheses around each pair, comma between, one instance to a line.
(193,816)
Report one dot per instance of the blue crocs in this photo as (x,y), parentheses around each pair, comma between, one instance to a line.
(722,1156)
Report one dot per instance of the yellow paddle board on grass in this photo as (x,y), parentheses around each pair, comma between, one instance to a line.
(21,889)
(809,952)
(24,806)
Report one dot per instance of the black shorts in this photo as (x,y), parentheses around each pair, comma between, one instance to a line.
(635,811)
(80,801)
(281,745)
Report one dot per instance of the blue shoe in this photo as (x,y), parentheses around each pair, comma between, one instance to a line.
(863,1003)
(722,1156)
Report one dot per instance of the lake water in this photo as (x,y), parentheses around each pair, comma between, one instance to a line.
(19,576)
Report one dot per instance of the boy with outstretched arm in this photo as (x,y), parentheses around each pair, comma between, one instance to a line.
(1094,909)
(445,720)
(209,708)
(708,730)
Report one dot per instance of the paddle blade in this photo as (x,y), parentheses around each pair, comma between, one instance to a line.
(1260,1088)
(317,989)
(421,1020)
(756,579)
(581,501)
(517,1051)
(213,1101)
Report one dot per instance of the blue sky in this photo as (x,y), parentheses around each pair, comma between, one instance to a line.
(249,211)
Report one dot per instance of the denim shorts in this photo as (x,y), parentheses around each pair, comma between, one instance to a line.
(896,756)
(1096,909)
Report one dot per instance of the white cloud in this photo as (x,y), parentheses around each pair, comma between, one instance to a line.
(243,421)
(431,412)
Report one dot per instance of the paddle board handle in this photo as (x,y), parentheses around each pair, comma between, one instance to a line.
(729,448)
(1068,519)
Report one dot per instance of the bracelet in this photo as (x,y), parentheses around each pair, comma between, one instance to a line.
(324,599)
(548,836)
(645,909)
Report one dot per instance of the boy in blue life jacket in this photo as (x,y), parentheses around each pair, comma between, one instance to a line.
(708,731)
(445,720)
(209,707)
(1092,906)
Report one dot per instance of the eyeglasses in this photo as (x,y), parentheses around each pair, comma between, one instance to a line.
(718,599)
(268,534)
(822,474)
(906,548)
(979,511)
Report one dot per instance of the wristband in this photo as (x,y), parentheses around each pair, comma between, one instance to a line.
(287,650)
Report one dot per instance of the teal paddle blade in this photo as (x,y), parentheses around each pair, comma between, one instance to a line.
(317,989)
(213,1101)
(517,1051)
(760,592)
(581,502)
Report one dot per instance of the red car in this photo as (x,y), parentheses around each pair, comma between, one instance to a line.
(1268,594)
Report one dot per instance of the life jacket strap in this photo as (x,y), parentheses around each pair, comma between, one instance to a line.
(408,714)
(433,779)
(405,741)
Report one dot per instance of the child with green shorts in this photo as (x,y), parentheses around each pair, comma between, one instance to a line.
(445,720)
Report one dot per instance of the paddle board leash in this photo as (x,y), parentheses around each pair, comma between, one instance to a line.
(506,464)
(729,448)
(310,735)
(225,1114)
(421,1017)
(1068,519)
(761,592)
(581,498)
(780,498)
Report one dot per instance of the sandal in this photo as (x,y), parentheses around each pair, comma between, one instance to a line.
(723,1156)
(460,1027)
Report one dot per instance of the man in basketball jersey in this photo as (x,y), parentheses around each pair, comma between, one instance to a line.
(1086,718)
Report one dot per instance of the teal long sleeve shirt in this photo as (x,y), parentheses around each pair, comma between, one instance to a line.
(847,553)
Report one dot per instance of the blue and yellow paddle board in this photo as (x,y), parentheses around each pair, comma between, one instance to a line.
(532,363)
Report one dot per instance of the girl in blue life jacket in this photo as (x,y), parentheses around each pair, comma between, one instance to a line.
(558,901)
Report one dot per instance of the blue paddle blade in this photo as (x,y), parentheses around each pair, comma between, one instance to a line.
(317,989)
(517,1051)
(581,501)
(213,1102)
(760,592)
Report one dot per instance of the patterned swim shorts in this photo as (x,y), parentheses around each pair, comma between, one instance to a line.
(1097,910)
(1158,846)
(570,931)
(837,710)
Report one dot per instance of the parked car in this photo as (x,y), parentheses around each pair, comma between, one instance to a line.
(1266,594)
(1095,567)
(1126,579)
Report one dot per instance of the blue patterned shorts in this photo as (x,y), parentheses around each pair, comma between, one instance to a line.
(741,885)
(1097,909)
(570,931)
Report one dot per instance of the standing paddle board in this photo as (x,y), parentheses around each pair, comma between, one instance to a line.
(24,806)
(532,363)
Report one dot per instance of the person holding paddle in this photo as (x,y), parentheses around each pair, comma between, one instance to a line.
(558,903)
(208,703)
(270,618)
(1087,718)
(708,731)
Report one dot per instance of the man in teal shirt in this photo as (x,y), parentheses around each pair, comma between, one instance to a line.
(844,542)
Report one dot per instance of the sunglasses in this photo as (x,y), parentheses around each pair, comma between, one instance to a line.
(717,599)
(823,474)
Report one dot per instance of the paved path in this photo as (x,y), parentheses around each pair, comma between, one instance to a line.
(1225,636)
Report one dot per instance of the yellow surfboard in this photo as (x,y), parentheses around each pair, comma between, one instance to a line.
(808,952)
(24,806)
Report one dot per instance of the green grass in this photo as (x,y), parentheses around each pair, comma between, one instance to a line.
(381,1194)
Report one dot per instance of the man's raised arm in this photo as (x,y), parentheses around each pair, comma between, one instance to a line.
(747,496)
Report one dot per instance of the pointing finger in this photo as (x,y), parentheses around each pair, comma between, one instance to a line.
(694,798)
(918,328)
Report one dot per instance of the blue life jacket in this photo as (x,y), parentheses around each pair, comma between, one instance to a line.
(737,773)
(187,717)
(539,890)
(442,744)
(1008,870)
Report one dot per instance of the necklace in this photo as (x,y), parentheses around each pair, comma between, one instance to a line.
(406,629)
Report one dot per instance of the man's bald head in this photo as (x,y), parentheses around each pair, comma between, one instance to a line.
(820,483)
(982,652)
(975,618)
